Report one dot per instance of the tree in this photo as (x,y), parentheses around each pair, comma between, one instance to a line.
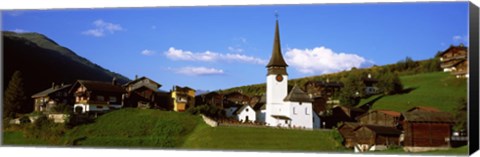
(14,96)
(461,115)
(353,88)
(390,83)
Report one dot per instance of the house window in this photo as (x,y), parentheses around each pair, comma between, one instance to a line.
(286,121)
(100,98)
(112,99)
(300,103)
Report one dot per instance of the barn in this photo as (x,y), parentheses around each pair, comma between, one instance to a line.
(346,130)
(375,137)
(424,131)
(380,117)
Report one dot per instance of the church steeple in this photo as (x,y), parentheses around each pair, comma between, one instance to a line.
(277,59)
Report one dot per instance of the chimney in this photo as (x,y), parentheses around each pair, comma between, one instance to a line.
(114,81)
(53,85)
(136,77)
(62,85)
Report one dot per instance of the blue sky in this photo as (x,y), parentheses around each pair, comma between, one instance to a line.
(219,47)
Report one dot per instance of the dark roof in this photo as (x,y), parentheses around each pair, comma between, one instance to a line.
(349,108)
(100,86)
(178,88)
(439,117)
(453,47)
(281,117)
(297,95)
(391,113)
(350,124)
(50,90)
(424,108)
(141,78)
(277,58)
(239,110)
(384,130)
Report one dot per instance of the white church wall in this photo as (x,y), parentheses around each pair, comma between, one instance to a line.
(247,113)
(301,114)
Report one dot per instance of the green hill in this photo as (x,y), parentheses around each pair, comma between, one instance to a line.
(439,89)
(135,128)
(162,129)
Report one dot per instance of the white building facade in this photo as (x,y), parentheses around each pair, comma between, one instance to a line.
(285,109)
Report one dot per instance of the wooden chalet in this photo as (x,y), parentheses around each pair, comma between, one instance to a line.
(96,96)
(427,130)
(375,137)
(370,85)
(346,130)
(211,98)
(455,60)
(141,93)
(380,117)
(423,109)
(341,113)
(183,98)
(46,100)
(325,89)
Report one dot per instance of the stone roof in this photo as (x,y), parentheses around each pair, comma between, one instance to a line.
(277,58)
(297,95)
(383,130)
(50,91)
(100,86)
(437,117)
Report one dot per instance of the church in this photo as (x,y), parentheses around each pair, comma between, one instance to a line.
(283,108)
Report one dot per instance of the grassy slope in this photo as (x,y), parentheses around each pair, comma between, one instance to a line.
(260,139)
(17,138)
(439,89)
(135,128)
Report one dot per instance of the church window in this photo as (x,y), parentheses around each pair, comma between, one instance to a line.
(300,103)
(294,112)
(306,111)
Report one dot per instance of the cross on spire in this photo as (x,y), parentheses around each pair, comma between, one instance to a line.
(276,14)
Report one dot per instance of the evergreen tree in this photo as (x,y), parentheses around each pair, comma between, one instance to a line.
(14,96)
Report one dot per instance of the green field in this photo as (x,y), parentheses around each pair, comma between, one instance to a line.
(17,138)
(440,90)
(135,128)
(260,139)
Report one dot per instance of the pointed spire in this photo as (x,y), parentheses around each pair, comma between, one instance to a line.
(277,58)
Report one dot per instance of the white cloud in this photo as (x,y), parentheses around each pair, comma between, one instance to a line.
(17,30)
(208,56)
(102,27)
(197,71)
(460,39)
(233,49)
(147,52)
(322,60)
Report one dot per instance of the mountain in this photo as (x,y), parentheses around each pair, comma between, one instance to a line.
(42,61)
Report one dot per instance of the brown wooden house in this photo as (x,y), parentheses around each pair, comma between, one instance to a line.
(376,137)
(141,93)
(380,117)
(325,89)
(96,96)
(46,100)
(211,98)
(346,130)
(455,60)
(341,114)
(427,130)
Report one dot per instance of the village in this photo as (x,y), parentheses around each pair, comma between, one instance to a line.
(311,106)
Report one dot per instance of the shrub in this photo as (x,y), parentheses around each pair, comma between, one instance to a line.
(45,129)
(208,110)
